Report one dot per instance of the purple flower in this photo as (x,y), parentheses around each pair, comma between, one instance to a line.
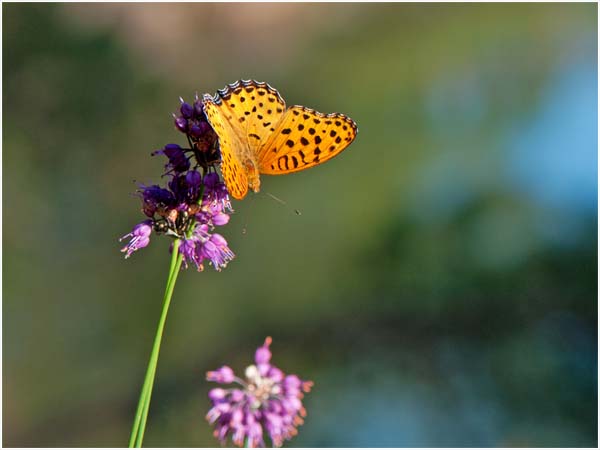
(192,121)
(186,109)
(223,375)
(181,123)
(194,202)
(216,250)
(140,237)
(178,161)
(215,192)
(198,106)
(203,245)
(267,402)
(186,187)
(154,199)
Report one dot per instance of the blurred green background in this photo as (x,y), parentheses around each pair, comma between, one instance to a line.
(440,285)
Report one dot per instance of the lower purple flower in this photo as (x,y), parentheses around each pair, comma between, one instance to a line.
(267,401)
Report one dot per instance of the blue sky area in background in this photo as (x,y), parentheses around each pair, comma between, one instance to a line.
(554,157)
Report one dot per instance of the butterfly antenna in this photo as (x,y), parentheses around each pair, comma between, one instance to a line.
(244,222)
(277,199)
(283,202)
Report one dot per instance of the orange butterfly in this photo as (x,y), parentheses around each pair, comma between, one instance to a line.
(257,134)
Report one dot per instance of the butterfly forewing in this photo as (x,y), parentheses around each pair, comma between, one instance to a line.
(253,109)
(305,138)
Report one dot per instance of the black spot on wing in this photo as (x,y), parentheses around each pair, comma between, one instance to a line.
(302,155)
(283,161)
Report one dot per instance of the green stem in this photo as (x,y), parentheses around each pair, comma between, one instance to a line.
(141,415)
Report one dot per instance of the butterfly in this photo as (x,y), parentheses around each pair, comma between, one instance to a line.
(259,135)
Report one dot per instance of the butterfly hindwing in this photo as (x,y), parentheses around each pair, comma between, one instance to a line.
(305,138)
(233,172)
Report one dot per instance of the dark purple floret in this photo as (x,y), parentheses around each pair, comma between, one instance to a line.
(196,130)
(211,181)
(198,106)
(187,110)
(181,124)
(205,128)
(178,161)
(155,198)
(194,180)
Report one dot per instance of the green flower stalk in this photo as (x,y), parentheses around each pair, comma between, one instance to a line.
(194,202)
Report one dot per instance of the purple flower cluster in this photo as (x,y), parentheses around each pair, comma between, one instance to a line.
(267,401)
(193,203)
(192,121)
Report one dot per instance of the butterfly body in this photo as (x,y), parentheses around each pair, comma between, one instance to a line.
(259,135)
